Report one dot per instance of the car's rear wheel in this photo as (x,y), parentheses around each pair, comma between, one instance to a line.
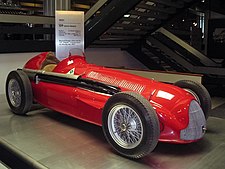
(130,124)
(199,92)
(19,92)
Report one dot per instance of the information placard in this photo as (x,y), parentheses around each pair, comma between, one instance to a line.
(69,32)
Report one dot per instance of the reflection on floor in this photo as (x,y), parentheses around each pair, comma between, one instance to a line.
(55,140)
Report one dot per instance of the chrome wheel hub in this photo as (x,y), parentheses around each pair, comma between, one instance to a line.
(125,126)
(14,93)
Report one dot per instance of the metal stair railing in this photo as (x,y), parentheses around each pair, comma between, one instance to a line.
(180,60)
(164,57)
(111,13)
(94,9)
(217,71)
(203,59)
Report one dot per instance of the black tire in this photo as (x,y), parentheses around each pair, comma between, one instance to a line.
(142,118)
(19,92)
(199,92)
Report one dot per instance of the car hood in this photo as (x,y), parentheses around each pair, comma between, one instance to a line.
(150,89)
(168,100)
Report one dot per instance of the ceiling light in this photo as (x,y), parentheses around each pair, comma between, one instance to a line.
(126,16)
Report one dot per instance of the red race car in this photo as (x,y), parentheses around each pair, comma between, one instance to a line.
(134,112)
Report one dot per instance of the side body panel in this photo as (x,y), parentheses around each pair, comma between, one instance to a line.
(76,102)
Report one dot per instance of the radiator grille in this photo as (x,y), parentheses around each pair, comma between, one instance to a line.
(197,123)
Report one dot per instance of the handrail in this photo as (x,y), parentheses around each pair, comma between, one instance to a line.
(94,9)
(7,18)
(205,60)
(218,71)
(109,15)
(169,52)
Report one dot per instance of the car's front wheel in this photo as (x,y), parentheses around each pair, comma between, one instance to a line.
(130,124)
(199,92)
(19,92)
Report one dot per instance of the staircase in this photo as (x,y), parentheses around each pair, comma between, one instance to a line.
(162,58)
(132,27)
(121,23)
(137,28)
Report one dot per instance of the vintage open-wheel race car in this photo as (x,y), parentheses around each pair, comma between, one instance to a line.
(134,112)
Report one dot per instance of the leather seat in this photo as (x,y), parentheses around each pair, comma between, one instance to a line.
(50,62)
(49,67)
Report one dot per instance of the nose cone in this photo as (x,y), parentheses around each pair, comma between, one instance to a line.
(197,123)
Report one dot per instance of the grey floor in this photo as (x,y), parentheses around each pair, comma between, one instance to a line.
(57,141)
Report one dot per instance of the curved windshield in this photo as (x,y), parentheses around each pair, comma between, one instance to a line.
(76,51)
(71,52)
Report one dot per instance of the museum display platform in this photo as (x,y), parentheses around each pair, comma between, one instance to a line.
(47,139)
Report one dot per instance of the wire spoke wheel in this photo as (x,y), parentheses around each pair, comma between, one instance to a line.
(125,126)
(14,93)
(130,124)
(19,92)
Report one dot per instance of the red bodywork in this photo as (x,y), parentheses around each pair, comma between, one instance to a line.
(171,103)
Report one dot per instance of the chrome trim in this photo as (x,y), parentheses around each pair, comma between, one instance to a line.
(71,80)
(69,76)
(197,123)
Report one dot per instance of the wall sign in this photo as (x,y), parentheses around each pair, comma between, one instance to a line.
(69,32)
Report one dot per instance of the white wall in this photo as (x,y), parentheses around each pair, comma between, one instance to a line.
(9,62)
(112,58)
(104,57)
